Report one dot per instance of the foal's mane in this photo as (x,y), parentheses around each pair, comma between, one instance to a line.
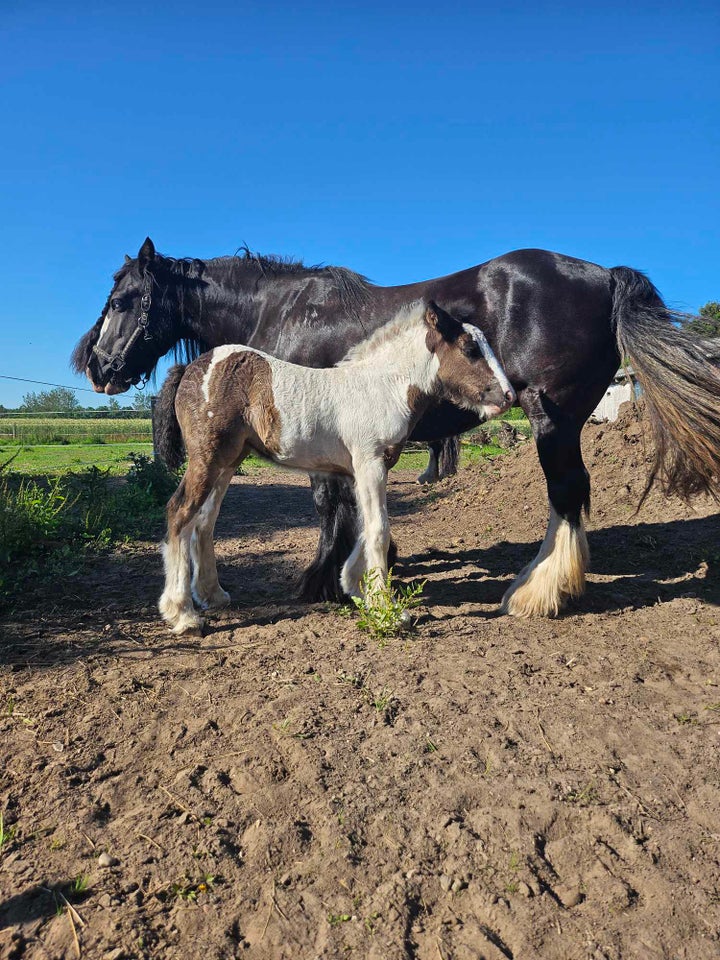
(408,316)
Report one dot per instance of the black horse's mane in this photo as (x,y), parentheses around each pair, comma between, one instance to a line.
(352,290)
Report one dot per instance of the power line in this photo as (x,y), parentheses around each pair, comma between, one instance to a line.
(44,383)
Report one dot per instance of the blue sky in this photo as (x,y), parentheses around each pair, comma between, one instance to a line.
(405,141)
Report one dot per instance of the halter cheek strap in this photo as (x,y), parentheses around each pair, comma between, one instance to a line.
(116,361)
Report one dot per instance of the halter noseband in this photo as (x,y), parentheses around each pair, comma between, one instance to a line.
(117,361)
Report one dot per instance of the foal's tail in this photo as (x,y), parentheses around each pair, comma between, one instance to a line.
(166,428)
(680,383)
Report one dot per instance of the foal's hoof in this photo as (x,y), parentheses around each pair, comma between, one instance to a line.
(188,623)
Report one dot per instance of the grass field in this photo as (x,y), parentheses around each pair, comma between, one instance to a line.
(93,430)
(115,439)
(53,459)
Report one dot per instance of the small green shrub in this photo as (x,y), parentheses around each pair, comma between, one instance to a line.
(152,476)
(47,525)
(384,611)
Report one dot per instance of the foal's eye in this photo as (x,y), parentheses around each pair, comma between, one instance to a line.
(116,304)
(472,350)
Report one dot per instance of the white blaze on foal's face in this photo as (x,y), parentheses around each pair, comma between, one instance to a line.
(469,373)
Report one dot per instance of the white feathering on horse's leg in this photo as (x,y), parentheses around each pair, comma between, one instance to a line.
(556,574)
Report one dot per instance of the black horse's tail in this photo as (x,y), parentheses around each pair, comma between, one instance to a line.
(166,429)
(681,386)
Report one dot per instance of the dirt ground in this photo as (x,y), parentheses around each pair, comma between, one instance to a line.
(284,787)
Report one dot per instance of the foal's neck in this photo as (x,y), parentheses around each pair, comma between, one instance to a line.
(404,357)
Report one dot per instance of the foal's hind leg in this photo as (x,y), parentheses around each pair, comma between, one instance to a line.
(206,587)
(176,605)
(558,571)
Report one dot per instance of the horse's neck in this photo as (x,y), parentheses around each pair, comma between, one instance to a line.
(220,309)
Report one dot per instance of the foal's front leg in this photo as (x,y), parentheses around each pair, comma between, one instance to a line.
(373,542)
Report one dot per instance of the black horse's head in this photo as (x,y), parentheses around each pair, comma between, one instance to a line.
(142,319)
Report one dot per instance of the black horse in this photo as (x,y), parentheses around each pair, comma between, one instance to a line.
(559,326)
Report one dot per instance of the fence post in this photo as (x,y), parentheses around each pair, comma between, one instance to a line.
(152,420)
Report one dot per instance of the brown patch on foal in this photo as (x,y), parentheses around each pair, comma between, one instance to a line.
(242,405)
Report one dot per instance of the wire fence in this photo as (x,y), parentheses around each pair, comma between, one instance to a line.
(49,428)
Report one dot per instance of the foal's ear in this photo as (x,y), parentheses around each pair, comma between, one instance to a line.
(146,253)
(431,315)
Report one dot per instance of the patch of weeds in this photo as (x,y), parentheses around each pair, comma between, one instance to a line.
(370,922)
(712,706)
(335,919)
(514,864)
(384,612)
(685,719)
(189,890)
(7,834)
(57,843)
(78,888)
(512,887)
(430,746)
(48,524)
(583,797)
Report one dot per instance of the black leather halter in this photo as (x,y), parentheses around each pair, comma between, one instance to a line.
(117,361)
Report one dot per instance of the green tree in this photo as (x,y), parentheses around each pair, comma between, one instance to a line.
(707,322)
(59,398)
(112,405)
(142,402)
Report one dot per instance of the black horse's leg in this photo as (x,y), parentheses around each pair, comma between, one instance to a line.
(449,457)
(558,571)
(443,462)
(432,472)
(337,511)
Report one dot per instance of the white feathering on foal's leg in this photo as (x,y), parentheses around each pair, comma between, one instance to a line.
(176,604)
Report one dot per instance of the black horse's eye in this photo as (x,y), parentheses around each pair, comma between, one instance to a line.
(116,304)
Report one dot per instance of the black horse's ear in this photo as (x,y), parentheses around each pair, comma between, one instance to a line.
(146,252)
(128,258)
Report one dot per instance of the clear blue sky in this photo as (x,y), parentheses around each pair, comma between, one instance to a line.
(404,140)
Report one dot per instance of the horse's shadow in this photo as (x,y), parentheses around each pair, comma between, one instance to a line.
(647,561)
(35,903)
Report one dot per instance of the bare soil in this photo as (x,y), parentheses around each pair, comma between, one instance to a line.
(284,787)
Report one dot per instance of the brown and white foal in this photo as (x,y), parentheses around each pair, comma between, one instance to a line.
(352,419)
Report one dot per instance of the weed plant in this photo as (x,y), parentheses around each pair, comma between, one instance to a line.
(48,525)
(384,612)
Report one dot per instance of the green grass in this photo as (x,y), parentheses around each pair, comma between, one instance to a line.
(54,459)
(31,430)
(50,524)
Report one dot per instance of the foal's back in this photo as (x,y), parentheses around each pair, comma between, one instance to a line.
(234,397)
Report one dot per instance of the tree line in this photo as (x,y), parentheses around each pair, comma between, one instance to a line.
(64,400)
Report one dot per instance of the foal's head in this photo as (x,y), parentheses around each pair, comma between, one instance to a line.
(469,373)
